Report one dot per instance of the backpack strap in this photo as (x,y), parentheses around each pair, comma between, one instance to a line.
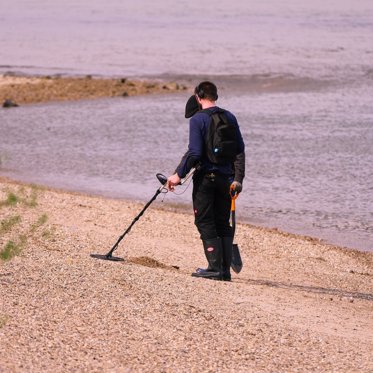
(216,115)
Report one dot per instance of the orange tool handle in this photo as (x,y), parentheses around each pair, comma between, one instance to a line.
(234,196)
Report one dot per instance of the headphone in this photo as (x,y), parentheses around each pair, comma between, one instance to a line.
(199,91)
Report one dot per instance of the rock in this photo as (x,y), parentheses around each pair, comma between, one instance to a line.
(9,104)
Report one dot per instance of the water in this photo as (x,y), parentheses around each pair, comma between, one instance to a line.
(318,38)
(299,77)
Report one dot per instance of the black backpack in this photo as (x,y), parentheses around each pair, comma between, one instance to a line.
(221,138)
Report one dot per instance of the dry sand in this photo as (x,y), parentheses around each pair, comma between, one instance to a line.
(297,306)
(25,90)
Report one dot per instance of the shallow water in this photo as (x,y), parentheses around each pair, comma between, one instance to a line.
(318,38)
(299,77)
(307,172)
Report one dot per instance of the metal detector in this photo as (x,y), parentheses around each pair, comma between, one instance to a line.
(162,189)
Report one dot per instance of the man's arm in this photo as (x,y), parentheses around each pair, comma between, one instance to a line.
(239,167)
(239,172)
(195,149)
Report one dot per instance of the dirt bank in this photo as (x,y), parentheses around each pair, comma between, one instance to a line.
(297,305)
(24,90)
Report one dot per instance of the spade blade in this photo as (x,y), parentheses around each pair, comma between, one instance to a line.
(236,263)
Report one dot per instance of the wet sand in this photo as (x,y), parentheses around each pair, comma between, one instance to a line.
(297,306)
(25,90)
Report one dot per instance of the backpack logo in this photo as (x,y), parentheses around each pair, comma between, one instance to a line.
(221,139)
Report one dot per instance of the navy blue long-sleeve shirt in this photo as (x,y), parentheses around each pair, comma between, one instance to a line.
(198,126)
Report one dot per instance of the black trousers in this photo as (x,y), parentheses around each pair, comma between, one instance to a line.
(212,205)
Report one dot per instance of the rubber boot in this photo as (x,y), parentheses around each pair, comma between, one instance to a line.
(208,269)
(227,243)
(214,255)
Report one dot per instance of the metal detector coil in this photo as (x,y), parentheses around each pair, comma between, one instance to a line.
(107,257)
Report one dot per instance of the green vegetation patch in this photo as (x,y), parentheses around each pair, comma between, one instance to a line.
(11,200)
(41,221)
(7,224)
(12,248)
(31,200)
(21,197)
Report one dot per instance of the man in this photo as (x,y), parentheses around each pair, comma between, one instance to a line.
(211,183)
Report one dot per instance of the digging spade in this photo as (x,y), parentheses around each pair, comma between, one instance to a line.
(236,263)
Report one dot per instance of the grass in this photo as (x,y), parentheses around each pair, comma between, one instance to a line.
(22,197)
(31,201)
(41,221)
(20,200)
(11,200)
(6,225)
(11,248)
(48,234)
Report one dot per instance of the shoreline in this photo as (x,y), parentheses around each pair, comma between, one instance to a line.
(185,208)
(294,301)
(21,89)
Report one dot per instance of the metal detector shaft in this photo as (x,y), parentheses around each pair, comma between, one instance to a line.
(109,254)
(163,180)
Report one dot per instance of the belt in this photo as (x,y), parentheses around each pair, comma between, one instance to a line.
(213,175)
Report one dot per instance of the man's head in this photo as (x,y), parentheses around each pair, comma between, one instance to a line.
(206,91)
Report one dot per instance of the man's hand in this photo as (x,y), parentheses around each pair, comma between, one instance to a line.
(172,181)
(236,186)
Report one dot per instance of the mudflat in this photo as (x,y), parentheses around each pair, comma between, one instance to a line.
(35,89)
(297,306)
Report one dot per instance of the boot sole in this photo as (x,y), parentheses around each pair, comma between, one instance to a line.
(198,275)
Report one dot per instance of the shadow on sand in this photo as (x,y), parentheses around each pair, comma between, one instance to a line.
(308,289)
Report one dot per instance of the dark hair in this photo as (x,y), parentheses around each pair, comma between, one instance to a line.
(207,90)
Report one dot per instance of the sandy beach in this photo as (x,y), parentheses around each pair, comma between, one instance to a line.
(297,306)
(35,89)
